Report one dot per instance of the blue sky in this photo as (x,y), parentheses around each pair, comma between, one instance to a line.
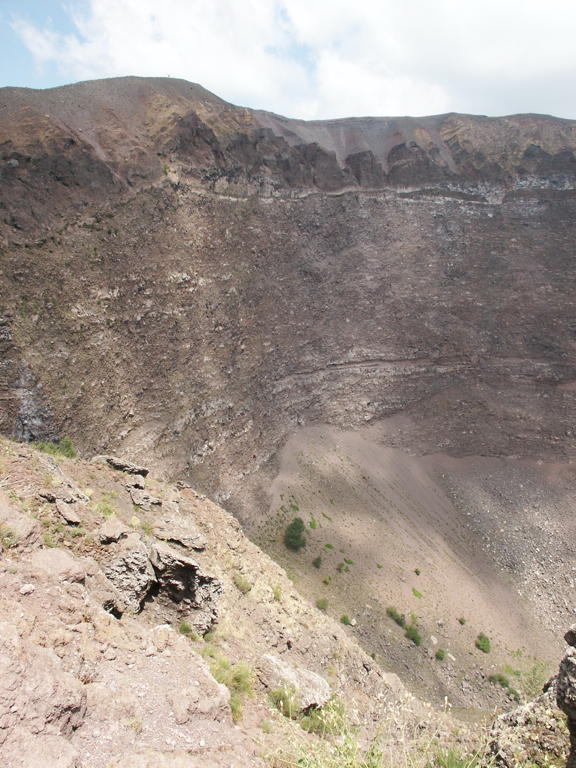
(309,58)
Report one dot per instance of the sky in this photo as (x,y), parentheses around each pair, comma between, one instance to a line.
(309,58)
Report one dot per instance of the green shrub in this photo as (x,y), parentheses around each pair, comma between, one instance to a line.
(322,603)
(413,634)
(416,593)
(342,568)
(294,537)
(277,592)
(462,620)
(348,561)
(241,583)
(63,447)
(499,679)
(8,538)
(417,571)
(313,524)
(394,614)
(482,643)
(325,721)
(345,620)
(317,562)
(378,565)
(440,654)
(329,546)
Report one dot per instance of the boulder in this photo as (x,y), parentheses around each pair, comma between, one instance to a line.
(113,530)
(179,530)
(131,572)
(68,512)
(310,690)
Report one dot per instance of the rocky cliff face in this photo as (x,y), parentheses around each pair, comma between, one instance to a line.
(193,279)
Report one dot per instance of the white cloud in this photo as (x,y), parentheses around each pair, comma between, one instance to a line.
(330,58)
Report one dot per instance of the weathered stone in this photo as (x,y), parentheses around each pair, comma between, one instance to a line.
(58,564)
(179,530)
(32,750)
(142,499)
(310,690)
(184,584)
(68,512)
(131,573)
(121,464)
(112,530)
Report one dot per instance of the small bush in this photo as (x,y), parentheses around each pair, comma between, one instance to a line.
(8,538)
(329,546)
(322,604)
(482,643)
(317,562)
(394,614)
(294,535)
(440,654)
(462,620)
(277,592)
(241,583)
(327,580)
(378,565)
(342,568)
(184,628)
(416,593)
(417,571)
(348,561)
(313,524)
(451,759)
(63,447)
(499,679)
(413,634)
(104,508)
(345,620)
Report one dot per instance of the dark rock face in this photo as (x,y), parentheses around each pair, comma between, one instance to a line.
(189,281)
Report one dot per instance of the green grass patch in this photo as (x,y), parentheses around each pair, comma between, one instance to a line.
(416,593)
(413,634)
(62,447)
(440,654)
(344,619)
(482,642)
(241,583)
(322,603)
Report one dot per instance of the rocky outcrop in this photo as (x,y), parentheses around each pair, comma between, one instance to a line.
(533,733)
(122,465)
(566,691)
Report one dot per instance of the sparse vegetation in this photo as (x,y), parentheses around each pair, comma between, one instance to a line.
(236,677)
(440,654)
(345,620)
(416,593)
(462,620)
(284,699)
(482,642)
(104,508)
(63,447)
(241,583)
(322,603)
(413,634)
(317,562)
(394,614)
(8,538)
(417,571)
(277,592)
(329,546)
(294,535)
(313,524)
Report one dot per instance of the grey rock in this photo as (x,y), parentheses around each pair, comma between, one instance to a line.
(142,499)
(310,690)
(68,512)
(179,530)
(121,464)
(112,530)
(131,573)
